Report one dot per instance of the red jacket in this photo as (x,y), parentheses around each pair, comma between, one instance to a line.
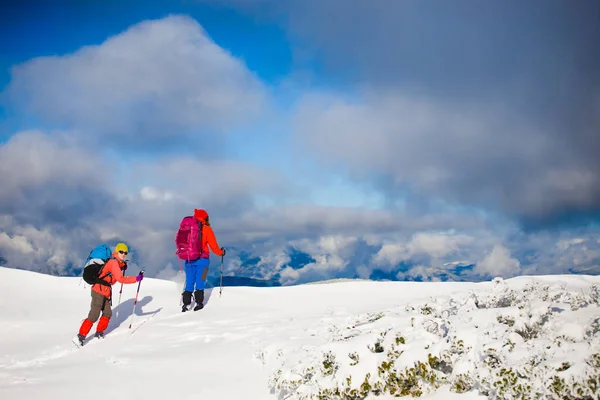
(113,268)
(209,239)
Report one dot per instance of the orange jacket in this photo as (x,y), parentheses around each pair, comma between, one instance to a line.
(209,239)
(113,268)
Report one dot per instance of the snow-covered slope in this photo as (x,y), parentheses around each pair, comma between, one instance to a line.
(290,342)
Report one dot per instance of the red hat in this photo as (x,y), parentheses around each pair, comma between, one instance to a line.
(200,215)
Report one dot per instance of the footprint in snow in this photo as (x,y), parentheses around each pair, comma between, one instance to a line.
(118,362)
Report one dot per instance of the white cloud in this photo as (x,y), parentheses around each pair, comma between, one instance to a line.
(432,244)
(332,255)
(205,181)
(331,252)
(498,263)
(465,153)
(565,244)
(33,159)
(17,243)
(149,193)
(39,250)
(150,84)
(270,263)
(290,275)
(437,245)
(62,192)
(391,253)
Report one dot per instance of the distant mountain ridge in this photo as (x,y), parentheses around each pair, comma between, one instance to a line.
(241,281)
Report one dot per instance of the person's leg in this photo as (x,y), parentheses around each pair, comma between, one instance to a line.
(95,309)
(105,319)
(201,276)
(190,277)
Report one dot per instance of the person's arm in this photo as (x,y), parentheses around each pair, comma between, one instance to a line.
(118,275)
(212,241)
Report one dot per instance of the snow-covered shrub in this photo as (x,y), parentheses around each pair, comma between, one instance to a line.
(501,342)
(585,386)
(593,329)
(595,295)
(500,297)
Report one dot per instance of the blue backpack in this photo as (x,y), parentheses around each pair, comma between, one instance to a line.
(91,272)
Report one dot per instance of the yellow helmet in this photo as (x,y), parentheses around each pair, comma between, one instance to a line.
(121,247)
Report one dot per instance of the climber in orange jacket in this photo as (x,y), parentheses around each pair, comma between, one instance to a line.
(111,273)
(196,270)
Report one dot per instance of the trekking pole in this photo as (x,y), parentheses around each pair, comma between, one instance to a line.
(183,288)
(120,293)
(135,301)
(118,305)
(221,284)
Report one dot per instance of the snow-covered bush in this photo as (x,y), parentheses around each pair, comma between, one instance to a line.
(535,342)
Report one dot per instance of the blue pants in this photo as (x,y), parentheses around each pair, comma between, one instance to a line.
(195,274)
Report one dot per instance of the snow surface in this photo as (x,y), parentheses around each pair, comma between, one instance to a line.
(269,343)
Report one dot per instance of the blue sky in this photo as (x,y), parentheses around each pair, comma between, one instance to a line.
(388,139)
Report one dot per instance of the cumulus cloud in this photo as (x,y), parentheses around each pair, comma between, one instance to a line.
(36,249)
(150,193)
(332,255)
(60,198)
(208,181)
(434,246)
(269,265)
(157,83)
(54,197)
(470,154)
(498,263)
(46,179)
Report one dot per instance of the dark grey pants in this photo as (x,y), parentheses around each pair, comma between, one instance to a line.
(99,304)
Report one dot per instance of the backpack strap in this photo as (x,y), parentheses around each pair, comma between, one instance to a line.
(100,279)
(200,226)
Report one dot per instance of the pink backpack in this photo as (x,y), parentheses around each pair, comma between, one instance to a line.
(188,239)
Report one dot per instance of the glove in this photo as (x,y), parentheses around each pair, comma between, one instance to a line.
(124,268)
(223,250)
(139,277)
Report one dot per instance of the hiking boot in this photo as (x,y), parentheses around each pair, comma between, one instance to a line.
(186,297)
(81,338)
(199,297)
(99,335)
